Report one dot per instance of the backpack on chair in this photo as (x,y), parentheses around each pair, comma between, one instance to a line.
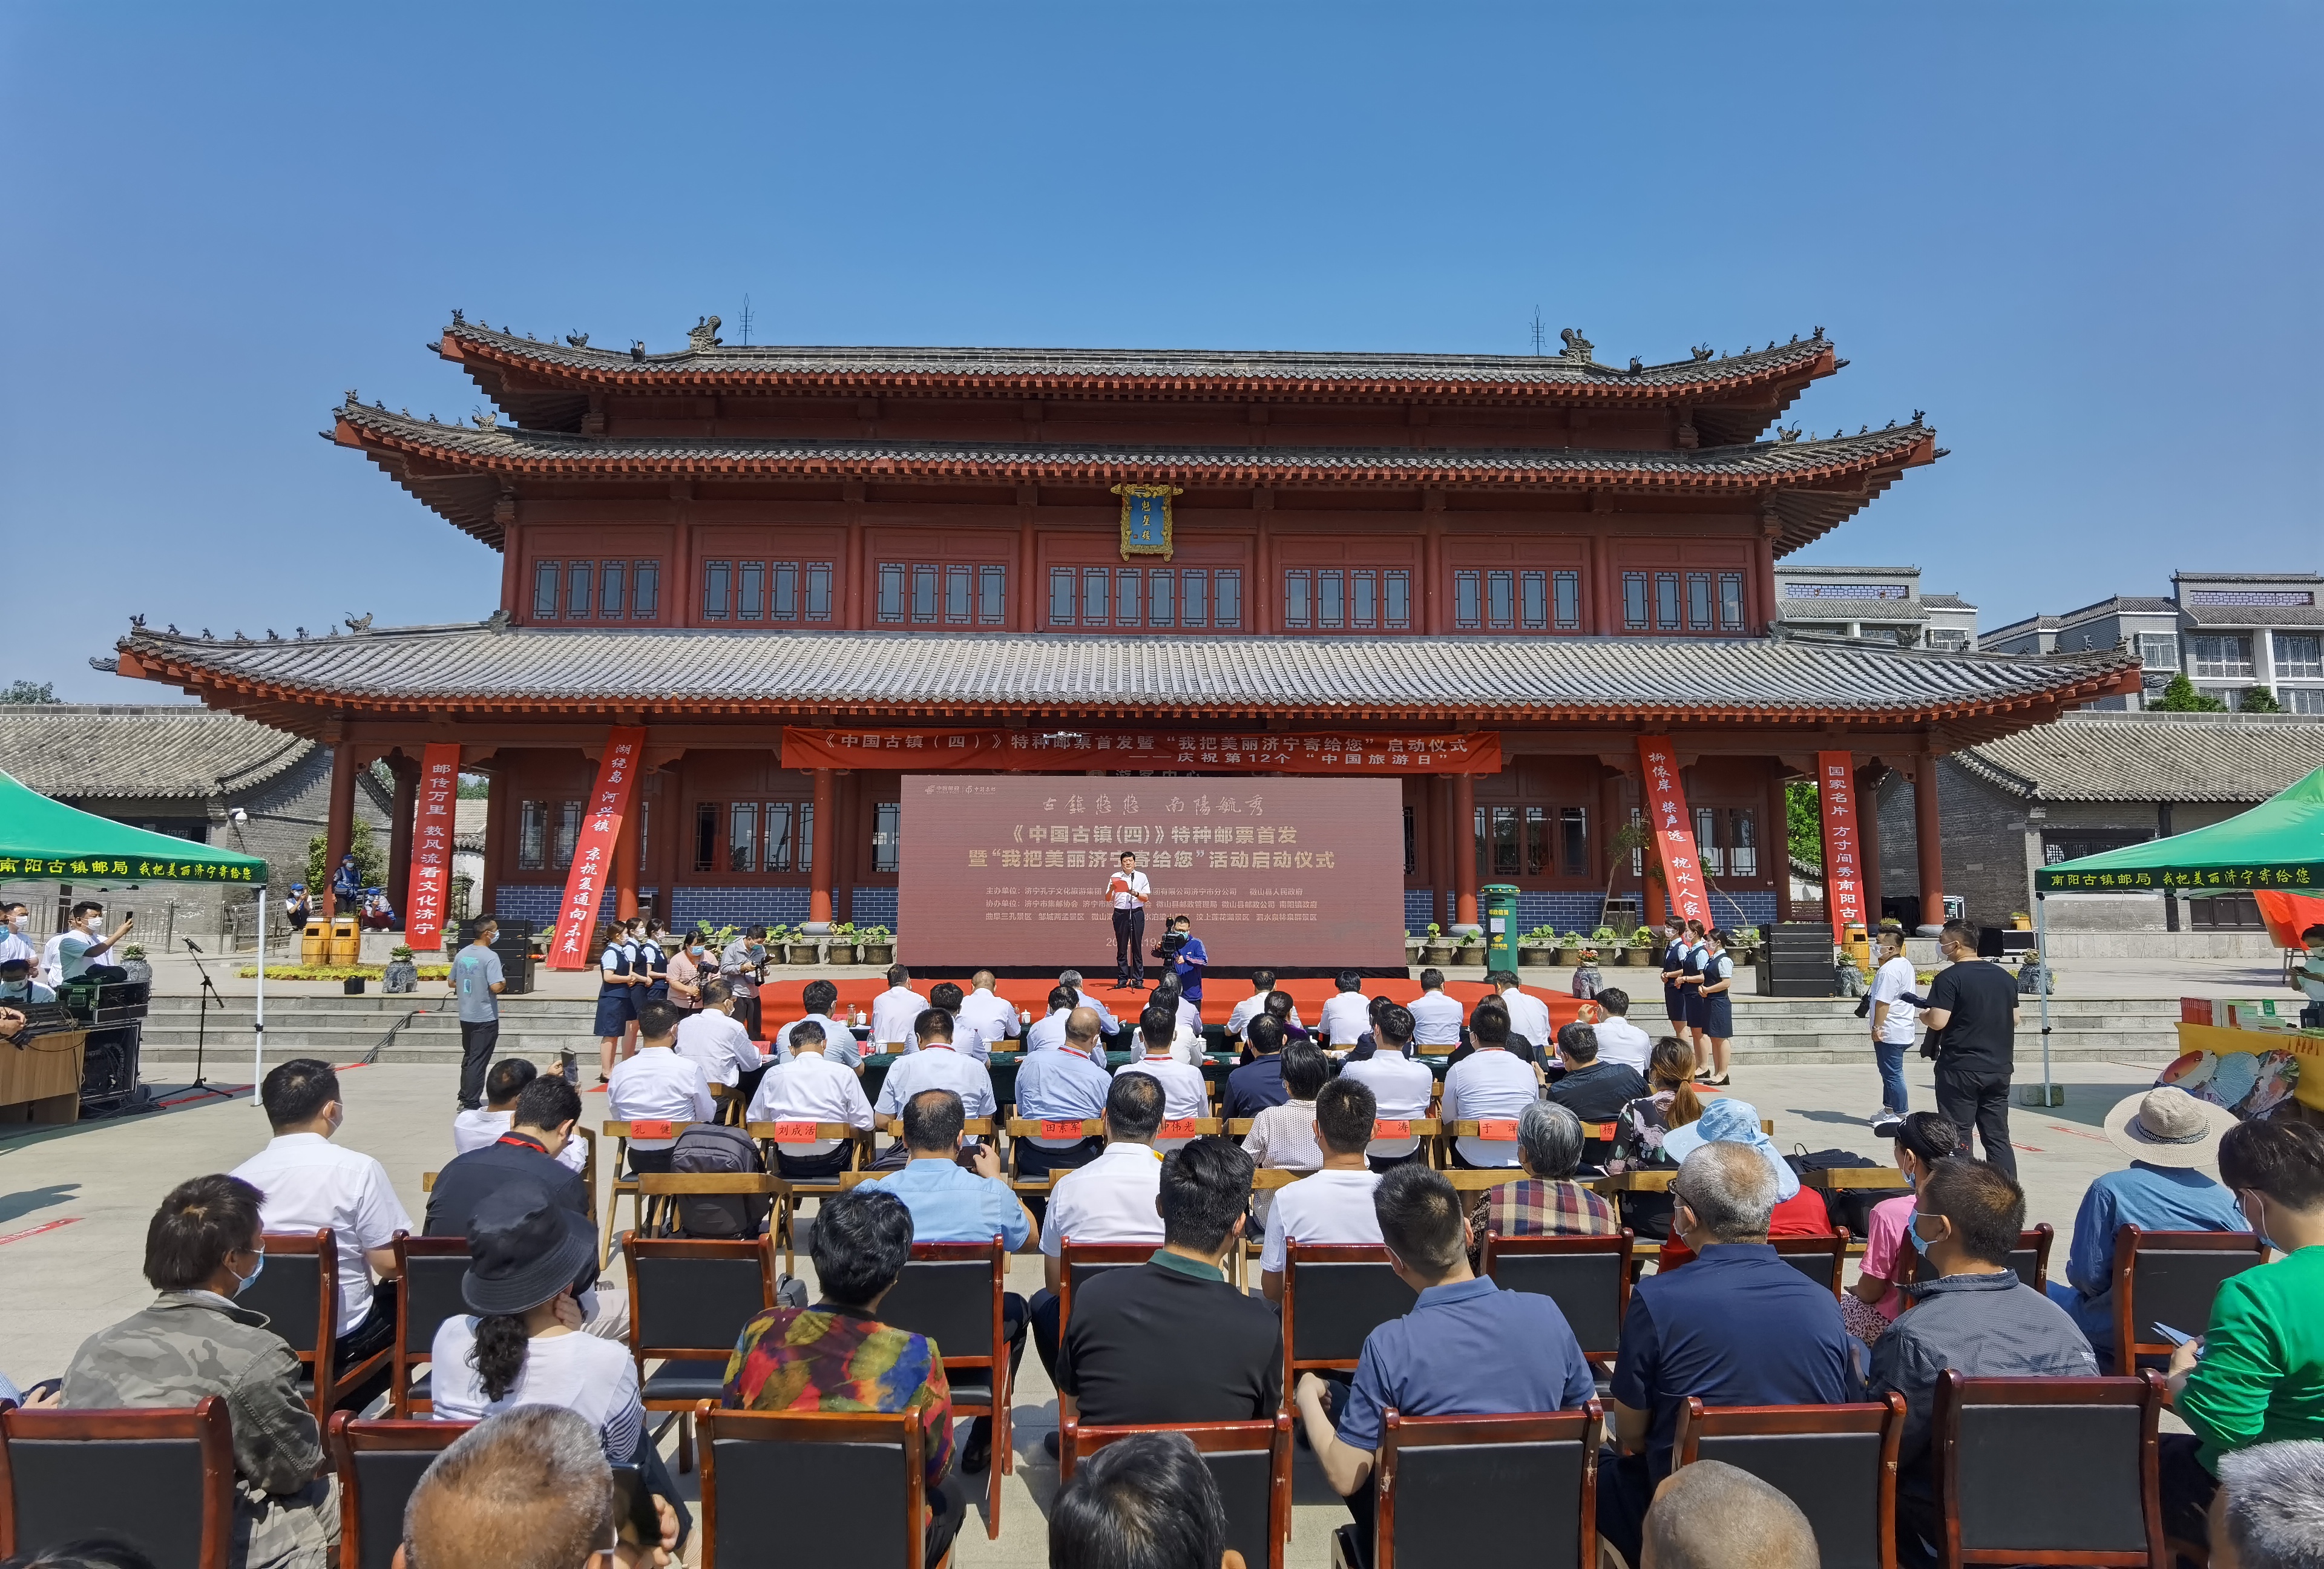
(705,1150)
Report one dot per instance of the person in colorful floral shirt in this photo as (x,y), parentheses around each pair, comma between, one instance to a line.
(838,1356)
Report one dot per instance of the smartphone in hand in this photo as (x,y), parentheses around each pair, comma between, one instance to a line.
(2177,1337)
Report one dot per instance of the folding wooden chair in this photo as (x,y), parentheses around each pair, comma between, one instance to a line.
(730,1107)
(660,1191)
(378,1465)
(624,1185)
(984,1127)
(1837,1462)
(2030,1258)
(1454,1491)
(2049,1471)
(772,1137)
(1394,1138)
(299,1292)
(1184,1130)
(1021,1129)
(1333,1295)
(688,1304)
(161,1479)
(1079,1263)
(1500,1133)
(1468,1179)
(1589,1279)
(429,1275)
(951,1292)
(1249,1461)
(814,1487)
(2171,1278)
(1823,1259)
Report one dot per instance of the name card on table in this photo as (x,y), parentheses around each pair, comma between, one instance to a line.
(657,1129)
(795,1133)
(1062,1130)
(1392,1128)
(1183,1128)
(1497,1127)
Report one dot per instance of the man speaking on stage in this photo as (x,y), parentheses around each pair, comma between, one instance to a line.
(1128,890)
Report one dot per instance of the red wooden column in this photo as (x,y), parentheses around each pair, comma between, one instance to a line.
(406,772)
(497,810)
(668,839)
(821,853)
(1464,851)
(342,824)
(1928,840)
(625,858)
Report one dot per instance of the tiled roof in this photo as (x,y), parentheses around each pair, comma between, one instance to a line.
(2029,623)
(1946,601)
(468,824)
(893,675)
(2151,757)
(2233,615)
(121,749)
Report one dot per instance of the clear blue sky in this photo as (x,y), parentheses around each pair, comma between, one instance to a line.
(2083,237)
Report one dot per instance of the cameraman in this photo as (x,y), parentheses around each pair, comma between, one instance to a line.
(1183,952)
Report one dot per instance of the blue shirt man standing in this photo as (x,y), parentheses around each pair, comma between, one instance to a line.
(1190,959)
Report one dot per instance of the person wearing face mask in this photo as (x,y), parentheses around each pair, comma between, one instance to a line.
(82,943)
(685,972)
(203,1248)
(1873,1300)
(15,921)
(16,982)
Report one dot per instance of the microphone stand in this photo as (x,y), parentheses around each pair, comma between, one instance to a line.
(202,1027)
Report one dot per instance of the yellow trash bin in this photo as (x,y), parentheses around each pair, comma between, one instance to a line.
(347,940)
(314,944)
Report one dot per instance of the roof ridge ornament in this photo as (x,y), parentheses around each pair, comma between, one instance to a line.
(484,420)
(359,622)
(577,339)
(1817,335)
(1786,437)
(1918,414)
(1578,348)
(1701,351)
(703,334)
(500,620)
(637,350)
(458,319)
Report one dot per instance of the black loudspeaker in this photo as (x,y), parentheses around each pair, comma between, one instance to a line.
(108,1073)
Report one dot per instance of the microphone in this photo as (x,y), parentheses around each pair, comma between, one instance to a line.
(190,944)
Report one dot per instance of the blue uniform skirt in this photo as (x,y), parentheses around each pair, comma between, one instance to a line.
(615,1009)
(1719,1016)
(1674,1003)
(1694,1011)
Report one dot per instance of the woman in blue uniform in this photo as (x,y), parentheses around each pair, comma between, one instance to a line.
(1690,985)
(652,960)
(617,1007)
(1673,963)
(1718,1002)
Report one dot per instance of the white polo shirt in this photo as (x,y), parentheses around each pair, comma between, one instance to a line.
(810,1088)
(1184,1092)
(476,1129)
(1401,1087)
(1346,1016)
(1252,1005)
(720,1044)
(939,1068)
(985,1020)
(839,1042)
(1327,1208)
(1489,1083)
(1620,1040)
(1435,1019)
(309,1182)
(657,1084)
(892,1013)
(12,947)
(1529,1017)
(1110,1200)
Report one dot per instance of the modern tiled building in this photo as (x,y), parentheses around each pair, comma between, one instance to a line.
(2230,632)
(1883,605)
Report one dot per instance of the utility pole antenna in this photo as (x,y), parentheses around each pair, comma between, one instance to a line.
(746,322)
(1537,329)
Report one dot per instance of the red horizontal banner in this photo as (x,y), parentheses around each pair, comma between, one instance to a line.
(1160,751)
(795,1133)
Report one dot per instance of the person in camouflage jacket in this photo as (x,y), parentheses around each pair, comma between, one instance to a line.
(203,1247)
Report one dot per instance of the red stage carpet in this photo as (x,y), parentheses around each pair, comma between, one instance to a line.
(781,999)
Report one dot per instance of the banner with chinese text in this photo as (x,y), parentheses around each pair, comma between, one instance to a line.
(1843,868)
(593,855)
(1673,829)
(431,847)
(1141,750)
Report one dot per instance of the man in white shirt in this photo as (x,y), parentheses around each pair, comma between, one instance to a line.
(1048,1031)
(819,998)
(811,1088)
(1335,1204)
(985,1019)
(1348,1014)
(1528,1016)
(1128,891)
(1401,1085)
(15,921)
(712,1039)
(1115,1198)
(482,1125)
(1490,1084)
(1186,1032)
(1262,982)
(309,1182)
(80,945)
(936,1064)
(1107,1024)
(1436,1017)
(1891,1021)
(1184,1092)
(893,1011)
(1619,1040)
(656,1085)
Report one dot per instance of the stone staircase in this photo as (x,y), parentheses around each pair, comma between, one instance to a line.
(1816,1029)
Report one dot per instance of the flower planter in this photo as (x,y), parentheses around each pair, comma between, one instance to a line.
(801,954)
(1470,954)
(1637,956)
(876,952)
(840,954)
(1568,956)
(1528,954)
(1437,953)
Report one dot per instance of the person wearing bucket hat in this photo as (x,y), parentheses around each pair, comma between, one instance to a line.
(2170,1136)
(1799,1211)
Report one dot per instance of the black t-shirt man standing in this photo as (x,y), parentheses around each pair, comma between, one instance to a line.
(1972,1018)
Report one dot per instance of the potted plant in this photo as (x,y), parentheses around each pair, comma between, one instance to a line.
(1538,947)
(1639,949)
(132,959)
(875,945)
(1746,946)
(1412,946)
(402,974)
(1569,947)
(1439,948)
(839,947)
(798,947)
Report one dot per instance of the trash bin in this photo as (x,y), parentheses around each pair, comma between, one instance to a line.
(346,941)
(1497,903)
(315,943)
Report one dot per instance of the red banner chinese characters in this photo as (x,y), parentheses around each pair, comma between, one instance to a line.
(1141,751)
(431,847)
(593,856)
(1674,830)
(1843,871)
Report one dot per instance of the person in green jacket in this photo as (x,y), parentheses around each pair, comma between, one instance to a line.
(2256,1375)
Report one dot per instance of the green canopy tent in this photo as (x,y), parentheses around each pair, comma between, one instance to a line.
(2278,844)
(43,839)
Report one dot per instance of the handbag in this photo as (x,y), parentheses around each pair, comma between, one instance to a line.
(1851,1207)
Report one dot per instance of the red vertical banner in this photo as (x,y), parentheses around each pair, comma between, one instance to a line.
(431,886)
(593,855)
(1673,828)
(1843,870)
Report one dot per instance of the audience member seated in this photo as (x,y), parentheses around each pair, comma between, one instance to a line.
(1799,1211)
(1547,1202)
(811,1088)
(2256,1373)
(1490,1010)
(2268,1511)
(1069,1085)
(654,1083)
(1529,1015)
(1346,1013)
(1646,1122)
(1048,1031)
(1283,1138)
(1975,1318)
(1107,1024)
(84,942)
(1258,1083)
(202,1248)
(1146,1501)
(1467,1347)
(839,1042)
(480,1125)
(1593,1090)
(1335,1204)
(2170,1135)
(1170,1341)
(1619,1040)
(16,982)
(895,1012)
(1738,1327)
(712,1040)
(836,1355)
(1185,1094)
(528,1490)
(1401,1085)
(532,1152)
(1367,1040)
(1873,1300)
(1185,1020)
(1714,1516)
(935,1065)
(309,1182)
(985,1019)
(1489,1083)
(1114,1198)
(1262,987)
(1286,1012)
(955,1199)
(1436,1017)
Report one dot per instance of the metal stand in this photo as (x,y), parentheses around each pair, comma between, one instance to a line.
(202,1029)
(2049,1095)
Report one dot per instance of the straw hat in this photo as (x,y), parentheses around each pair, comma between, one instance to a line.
(2169,1127)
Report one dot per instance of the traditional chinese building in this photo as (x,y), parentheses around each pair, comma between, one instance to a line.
(1259,548)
